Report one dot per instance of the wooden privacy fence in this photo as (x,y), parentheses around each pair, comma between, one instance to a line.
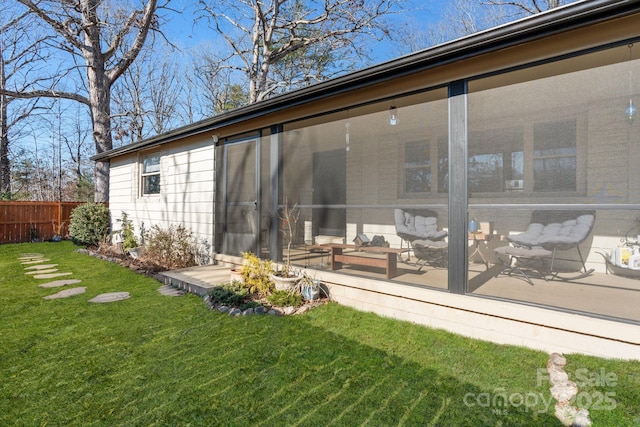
(26,221)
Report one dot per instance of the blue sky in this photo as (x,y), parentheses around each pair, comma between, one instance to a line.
(182,31)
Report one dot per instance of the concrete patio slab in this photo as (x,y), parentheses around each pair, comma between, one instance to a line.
(59,283)
(68,293)
(41,267)
(196,280)
(51,275)
(110,297)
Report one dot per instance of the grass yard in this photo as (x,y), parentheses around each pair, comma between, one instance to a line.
(153,360)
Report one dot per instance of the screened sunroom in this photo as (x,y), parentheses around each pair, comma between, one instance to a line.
(487,186)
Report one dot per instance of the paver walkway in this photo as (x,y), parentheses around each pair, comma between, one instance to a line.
(37,270)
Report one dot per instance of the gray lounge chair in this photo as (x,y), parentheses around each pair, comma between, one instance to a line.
(536,249)
(421,227)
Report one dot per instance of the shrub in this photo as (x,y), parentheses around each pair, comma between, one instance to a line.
(233,293)
(126,234)
(285,299)
(256,273)
(170,248)
(90,223)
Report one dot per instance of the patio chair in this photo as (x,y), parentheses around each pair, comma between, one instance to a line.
(536,249)
(412,225)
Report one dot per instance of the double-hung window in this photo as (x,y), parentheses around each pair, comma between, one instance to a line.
(151,174)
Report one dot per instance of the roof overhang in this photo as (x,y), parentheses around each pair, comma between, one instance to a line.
(570,17)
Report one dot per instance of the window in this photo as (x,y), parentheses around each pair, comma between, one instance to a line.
(495,161)
(151,174)
(420,173)
(554,156)
(417,167)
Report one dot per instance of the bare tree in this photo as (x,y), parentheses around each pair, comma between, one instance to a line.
(18,53)
(147,98)
(465,17)
(218,89)
(260,34)
(527,7)
(104,38)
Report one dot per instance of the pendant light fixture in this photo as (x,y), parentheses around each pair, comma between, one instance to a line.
(346,136)
(393,116)
(631,112)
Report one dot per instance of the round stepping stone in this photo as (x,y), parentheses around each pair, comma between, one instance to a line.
(58,283)
(51,270)
(68,293)
(50,275)
(35,261)
(41,267)
(111,297)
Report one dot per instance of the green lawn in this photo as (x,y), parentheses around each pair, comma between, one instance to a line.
(153,360)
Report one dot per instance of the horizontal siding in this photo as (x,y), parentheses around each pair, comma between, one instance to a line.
(187,190)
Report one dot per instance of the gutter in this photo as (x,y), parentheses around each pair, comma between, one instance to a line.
(570,17)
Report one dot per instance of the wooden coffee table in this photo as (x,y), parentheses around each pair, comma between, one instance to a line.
(389,262)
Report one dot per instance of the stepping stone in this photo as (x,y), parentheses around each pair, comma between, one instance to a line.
(50,275)
(170,291)
(111,297)
(41,267)
(36,261)
(51,270)
(68,293)
(30,256)
(58,283)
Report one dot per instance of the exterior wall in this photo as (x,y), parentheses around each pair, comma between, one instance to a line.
(496,321)
(186,189)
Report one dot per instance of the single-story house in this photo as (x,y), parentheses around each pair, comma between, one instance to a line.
(478,137)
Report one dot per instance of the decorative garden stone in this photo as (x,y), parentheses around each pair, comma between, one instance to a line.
(563,391)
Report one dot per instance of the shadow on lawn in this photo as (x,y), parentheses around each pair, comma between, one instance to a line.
(325,379)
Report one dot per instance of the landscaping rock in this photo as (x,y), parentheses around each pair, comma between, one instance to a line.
(260,310)
(110,297)
(30,256)
(248,312)
(67,293)
(289,310)
(58,283)
(51,275)
(274,312)
(223,309)
(302,309)
(235,312)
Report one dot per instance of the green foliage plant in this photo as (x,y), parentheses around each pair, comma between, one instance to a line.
(285,299)
(170,248)
(232,294)
(129,240)
(90,223)
(257,274)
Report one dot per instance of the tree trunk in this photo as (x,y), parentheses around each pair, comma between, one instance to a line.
(101,115)
(99,98)
(5,170)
